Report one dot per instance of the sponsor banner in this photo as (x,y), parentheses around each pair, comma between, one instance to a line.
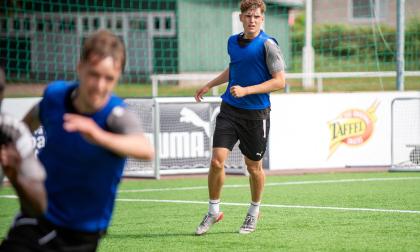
(307,130)
(18,107)
(185,135)
(186,130)
(331,130)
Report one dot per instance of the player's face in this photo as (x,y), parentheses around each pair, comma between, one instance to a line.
(252,20)
(98,77)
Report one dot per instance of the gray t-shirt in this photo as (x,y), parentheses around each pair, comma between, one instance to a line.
(123,121)
(273,56)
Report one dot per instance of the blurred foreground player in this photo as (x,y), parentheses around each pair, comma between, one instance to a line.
(20,166)
(89,134)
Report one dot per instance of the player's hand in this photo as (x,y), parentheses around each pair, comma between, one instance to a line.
(12,131)
(200,92)
(10,161)
(238,91)
(82,124)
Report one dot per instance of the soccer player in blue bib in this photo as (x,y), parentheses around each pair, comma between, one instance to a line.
(256,68)
(89,134)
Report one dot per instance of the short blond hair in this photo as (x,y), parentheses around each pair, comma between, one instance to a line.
(102,44)
(252,4)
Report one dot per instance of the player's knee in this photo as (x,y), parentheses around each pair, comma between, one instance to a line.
(254,169)
(217,164)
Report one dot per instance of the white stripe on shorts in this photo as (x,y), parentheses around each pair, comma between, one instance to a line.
(47,238)
(264,126)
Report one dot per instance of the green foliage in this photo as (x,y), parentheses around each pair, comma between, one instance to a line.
(299,25)
(360,44)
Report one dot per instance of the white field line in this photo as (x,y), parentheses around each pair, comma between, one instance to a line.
(8,196)
(262,205)
(270,205)
(276,206)
(271,184)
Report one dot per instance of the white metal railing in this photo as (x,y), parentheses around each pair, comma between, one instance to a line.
(318,76)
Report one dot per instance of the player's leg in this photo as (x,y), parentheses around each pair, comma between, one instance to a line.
(216,175)
(253,135)
(256,182)
(224,139)
(216,179)
(256,178)
(25,234)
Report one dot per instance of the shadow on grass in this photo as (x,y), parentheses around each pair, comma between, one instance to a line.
(185,234)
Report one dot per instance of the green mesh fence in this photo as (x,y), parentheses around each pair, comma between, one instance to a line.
(357,36)
(40,39)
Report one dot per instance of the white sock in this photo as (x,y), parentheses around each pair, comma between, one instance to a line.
(254,208)
(214,206)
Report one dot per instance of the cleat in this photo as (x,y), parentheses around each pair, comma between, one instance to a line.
(207,222)
(249,225)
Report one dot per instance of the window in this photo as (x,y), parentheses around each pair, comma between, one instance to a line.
(163,24)
(369,9)
(363,8)
(67,25)
(138,24)
(3,24)
(96,23)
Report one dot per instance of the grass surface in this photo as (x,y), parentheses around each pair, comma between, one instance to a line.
(295,217)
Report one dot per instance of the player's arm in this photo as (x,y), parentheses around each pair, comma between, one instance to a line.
(220,79)
(274,84)
(125,137)
(31,119)
(276,67)
(19,164)
(27,178)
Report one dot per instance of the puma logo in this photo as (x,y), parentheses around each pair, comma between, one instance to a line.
(189,116)
(258,154)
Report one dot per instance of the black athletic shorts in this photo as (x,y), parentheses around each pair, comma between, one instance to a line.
(38,234)
(252,135)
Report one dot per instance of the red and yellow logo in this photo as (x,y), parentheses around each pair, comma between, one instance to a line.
(352,127)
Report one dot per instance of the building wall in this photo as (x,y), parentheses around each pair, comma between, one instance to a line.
(208,24)
(203,29)
(329,11)
(412,9)
(339,12)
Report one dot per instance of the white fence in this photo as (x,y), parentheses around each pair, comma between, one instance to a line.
(318,76)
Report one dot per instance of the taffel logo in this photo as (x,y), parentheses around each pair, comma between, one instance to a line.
(352,127)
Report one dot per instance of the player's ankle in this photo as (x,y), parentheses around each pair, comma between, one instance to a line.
(214,207)
(254,208)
